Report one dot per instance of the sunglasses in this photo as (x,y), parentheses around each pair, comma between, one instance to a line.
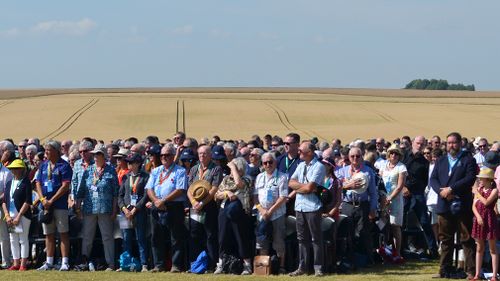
(355,156)
(253,154)
(21,146)
(274,144)
(482,146)
(83,151)
(427,153)
(267,162)
(288,143)
(302,151)
(166,155)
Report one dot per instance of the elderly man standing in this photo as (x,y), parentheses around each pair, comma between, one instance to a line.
(452,178)
(205,229)
(414,190)
(359,206)
(271,191)
(52,185)
(307,177)
(166,188)
(5,176)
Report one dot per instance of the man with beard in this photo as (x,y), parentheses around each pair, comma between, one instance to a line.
(452,179)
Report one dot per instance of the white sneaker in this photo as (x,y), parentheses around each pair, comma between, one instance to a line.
(144,268)
(218,269)
(46,266)
(91,267)
(64,267)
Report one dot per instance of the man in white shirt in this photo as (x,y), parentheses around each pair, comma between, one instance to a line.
(5,176)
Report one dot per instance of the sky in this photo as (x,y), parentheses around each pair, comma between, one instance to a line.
(235,43)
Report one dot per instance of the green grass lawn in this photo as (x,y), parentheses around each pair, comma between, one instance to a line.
(410,271)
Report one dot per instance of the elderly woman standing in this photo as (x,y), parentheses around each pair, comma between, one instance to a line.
(234,197)
(98,192)
(393,174)
(16,206)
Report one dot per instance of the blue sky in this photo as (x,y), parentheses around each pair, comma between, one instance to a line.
(346,44)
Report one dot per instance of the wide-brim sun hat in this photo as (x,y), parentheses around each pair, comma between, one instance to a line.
(395,148)
(199,189)
(364,182)
(486,173)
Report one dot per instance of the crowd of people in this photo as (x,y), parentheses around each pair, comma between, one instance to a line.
(317,207)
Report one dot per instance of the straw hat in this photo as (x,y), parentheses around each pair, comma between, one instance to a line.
(17,164)
(395,148)
(364,182)
(199,189)
(486,173)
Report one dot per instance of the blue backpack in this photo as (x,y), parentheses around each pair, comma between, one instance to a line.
(200,265)
(128,263)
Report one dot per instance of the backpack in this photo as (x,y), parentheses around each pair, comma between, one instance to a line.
(232,264)
(200,265)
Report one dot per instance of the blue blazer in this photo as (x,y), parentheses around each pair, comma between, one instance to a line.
(461,180)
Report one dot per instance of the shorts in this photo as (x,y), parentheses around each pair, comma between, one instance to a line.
(60,221)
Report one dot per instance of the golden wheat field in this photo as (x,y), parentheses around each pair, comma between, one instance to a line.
(239,113)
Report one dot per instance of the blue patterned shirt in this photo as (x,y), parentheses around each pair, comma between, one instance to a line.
(165,181)
(78,170)
(98,191)
(314,172)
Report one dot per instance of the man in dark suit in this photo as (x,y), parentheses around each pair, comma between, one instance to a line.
(452,178)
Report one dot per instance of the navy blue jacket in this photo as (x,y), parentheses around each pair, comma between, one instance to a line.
(460,180)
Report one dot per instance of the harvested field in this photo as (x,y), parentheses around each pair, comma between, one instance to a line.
(241,112)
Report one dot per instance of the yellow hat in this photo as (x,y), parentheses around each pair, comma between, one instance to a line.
(17,164)
(486,173)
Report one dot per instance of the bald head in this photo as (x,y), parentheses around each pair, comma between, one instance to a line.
(418,144)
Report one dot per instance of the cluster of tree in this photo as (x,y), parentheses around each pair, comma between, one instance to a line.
(434,84)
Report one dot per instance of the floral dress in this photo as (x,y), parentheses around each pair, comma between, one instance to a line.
(489,229)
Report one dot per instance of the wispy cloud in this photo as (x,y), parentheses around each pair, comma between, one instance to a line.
(218,33)
(183,30)
(9,32)
(80,27)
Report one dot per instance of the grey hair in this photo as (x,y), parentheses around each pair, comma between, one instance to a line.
(170,148)
(74,155)
(32,148)
(323,146)
(6,146)
(54,144)
(259,151)
(269,154)
(86,145)
(231,146)
(241,164)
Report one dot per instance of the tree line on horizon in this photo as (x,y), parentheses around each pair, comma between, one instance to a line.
(435,84)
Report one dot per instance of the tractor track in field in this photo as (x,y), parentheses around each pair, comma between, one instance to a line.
(71,120)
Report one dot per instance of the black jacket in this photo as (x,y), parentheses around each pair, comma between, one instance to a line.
(124,195)
(22,194)
(418,172)
(461,179)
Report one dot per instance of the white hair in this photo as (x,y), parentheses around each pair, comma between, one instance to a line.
(241,164)
(32,148)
